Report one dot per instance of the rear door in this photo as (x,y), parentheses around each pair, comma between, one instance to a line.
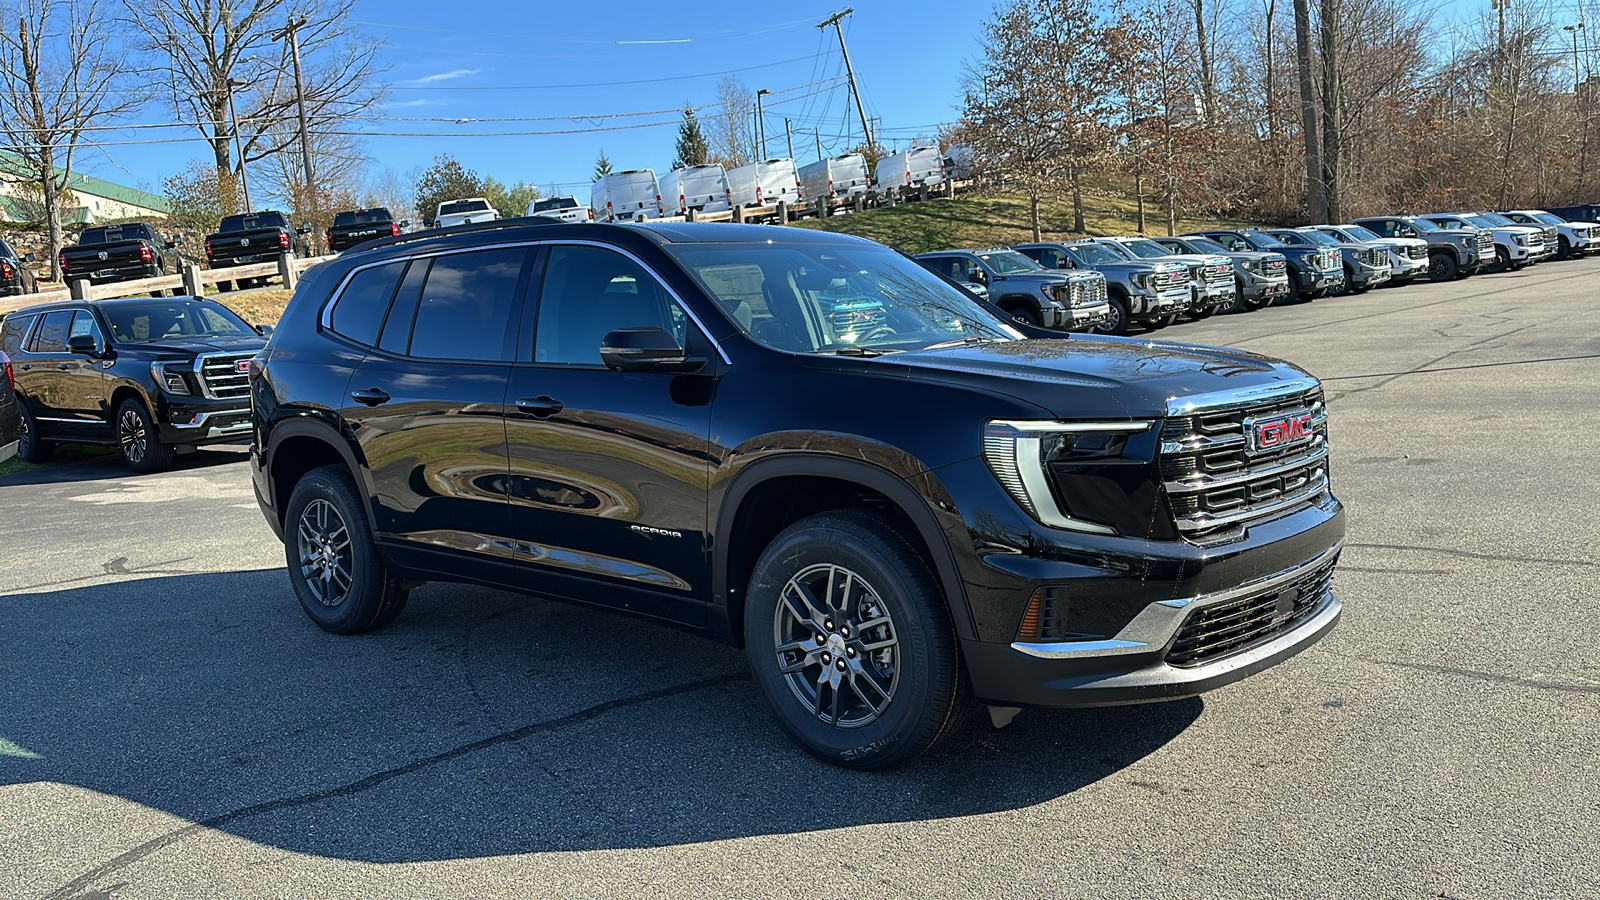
(609,470)
(427,404)
(39,374)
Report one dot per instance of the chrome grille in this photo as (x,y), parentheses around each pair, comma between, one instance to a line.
(1375,257)
(1219,274)
(221,376)
(1088,292)
(1274,266)
(1216,487)
(1223,629)
(1169,279)
(1486,244)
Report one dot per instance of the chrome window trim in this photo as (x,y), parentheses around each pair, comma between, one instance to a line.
(326,318)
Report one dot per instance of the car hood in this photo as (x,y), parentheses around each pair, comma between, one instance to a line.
(192,348)
(1047,276)
(1198,259)
(1094,377)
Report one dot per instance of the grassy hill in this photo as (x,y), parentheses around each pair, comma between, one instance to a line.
(995,220)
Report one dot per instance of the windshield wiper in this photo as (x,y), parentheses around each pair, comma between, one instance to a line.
(964,342)
(856,351)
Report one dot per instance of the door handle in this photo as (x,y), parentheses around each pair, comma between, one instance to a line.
(64,366)
(539,407)
(370,396)
(25,366)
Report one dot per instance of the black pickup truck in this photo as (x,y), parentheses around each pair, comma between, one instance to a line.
(250,238)
(110,253)
(357,226)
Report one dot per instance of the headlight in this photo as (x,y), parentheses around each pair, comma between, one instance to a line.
(1522,240)
(1249,265)
(1139,279)
(169,379)
(1082,476)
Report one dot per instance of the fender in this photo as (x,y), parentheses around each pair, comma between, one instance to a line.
(913,501)
(315,427)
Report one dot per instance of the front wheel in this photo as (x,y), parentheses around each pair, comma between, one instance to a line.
(334,567)
(139,440)
(850,642)
(1025,316)
(1443,267)
(1117,319)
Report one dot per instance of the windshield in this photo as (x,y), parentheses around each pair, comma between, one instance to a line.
(1145,249)
(1497,219)
(1206,245)
(111,234)
(361,217)
(1261,241)
(555,203)
(1423,226)
(1317,237)
(254,222)
(1008,262)
(456,207)
(1359,233)
(1094,254)
(1481,221)
(146,323)
(824,298)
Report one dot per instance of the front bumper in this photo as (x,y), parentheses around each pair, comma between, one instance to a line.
(1087,316)
(1150,304)
(194,421)
(1263,287)
(1311,280)
(1406,267)
(1371,276)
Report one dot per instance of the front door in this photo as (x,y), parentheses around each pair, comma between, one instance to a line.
(427,405)
(82,388)
(609,469)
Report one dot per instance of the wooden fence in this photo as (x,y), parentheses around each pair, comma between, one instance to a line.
(193,281)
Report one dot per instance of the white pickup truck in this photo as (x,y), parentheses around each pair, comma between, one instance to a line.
(464,212)
(562,209)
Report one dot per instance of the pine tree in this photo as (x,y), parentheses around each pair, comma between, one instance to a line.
(602,166)
(692,147)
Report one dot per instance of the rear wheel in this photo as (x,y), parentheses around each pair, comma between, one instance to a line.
(31,448)
(850,641)
(139,440)
(1443,267)
(334,567)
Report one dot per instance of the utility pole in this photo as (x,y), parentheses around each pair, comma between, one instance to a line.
(292,32)
(238,142)
(851,73)
(789,133)
(1576,77)
(817,132)
(761,121)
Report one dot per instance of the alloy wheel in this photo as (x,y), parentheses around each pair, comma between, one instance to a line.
(836,645)
(325,553)
(134,436)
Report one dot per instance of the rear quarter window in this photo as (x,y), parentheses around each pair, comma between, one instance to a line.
(358,311)
(12,332)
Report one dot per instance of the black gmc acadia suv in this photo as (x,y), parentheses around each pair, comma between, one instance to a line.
(891,495)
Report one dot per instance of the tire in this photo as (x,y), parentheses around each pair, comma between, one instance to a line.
(882,708)
(30,449)
(1564,249)
(1239,304)
(139,439)
(1028,316)
(1206,313)
(224,287)
(1443,267)
(325,519)
(1163,322)
(1117,321)
(1502,260)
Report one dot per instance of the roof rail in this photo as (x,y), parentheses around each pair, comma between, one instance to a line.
(433,233)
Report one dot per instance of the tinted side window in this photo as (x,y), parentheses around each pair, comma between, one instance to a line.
(52,334)
(589,292)
(358,313)
(83,323)
(11,335)
(466,304)
(397,328)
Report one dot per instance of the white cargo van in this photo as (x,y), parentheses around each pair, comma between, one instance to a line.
(703,188)
(630,196)
(837,176)
(765,183)
(911,169)
(464,212)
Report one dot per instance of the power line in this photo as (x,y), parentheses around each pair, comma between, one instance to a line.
(595,84)
(729,34)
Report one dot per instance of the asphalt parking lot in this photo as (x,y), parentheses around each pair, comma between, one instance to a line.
(171,725)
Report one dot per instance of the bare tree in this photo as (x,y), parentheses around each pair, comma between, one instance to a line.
(61,77)
(390,190)
(729,128)
(198,46)
(340,162)
(1316,191)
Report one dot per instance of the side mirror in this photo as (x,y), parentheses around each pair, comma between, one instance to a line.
(405,223)
(303,230)
(264,330)
(648,349)
(1239,246)
(977,275)
(84,344)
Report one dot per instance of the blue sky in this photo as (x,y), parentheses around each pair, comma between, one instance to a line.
(907,57)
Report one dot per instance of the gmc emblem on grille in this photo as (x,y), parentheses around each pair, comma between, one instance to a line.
(244,365)
(1278,431)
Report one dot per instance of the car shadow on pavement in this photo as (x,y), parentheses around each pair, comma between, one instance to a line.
(109,465)
(480,723)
